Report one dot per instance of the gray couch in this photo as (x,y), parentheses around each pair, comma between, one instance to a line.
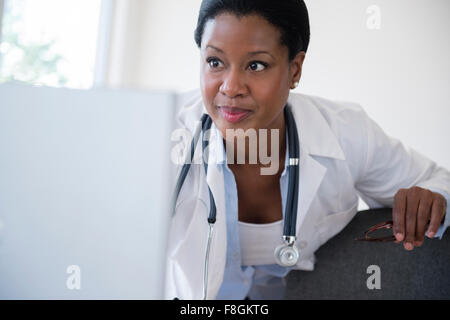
(341,267)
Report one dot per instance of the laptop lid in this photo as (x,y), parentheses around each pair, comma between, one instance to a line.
(84,192)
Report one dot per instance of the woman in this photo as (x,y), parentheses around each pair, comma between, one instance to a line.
(252,54)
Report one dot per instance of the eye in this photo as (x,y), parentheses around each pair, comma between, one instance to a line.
(213,62)
(257,66)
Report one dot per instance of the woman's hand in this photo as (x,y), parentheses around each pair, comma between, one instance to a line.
(413,209)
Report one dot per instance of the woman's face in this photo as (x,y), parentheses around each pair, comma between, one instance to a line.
(245,75)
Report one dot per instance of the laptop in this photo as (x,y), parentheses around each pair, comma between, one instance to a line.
(84,192)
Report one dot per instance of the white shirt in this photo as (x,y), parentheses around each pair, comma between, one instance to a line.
(239,277)
(259,241)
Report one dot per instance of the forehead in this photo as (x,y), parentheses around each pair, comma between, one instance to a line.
(249,33)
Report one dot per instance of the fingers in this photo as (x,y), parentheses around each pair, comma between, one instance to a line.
(423,216)
(398,214)
(412,205)
(437,213)
(413,209)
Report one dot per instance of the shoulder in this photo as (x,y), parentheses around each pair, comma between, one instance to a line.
(347,121)
(334,112)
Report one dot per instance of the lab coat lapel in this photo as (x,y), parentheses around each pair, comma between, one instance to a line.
(316,140)
(216,183)
(311,176)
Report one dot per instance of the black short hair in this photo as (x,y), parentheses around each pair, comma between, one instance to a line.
(289,16)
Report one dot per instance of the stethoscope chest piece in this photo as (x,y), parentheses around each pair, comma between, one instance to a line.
(286,255)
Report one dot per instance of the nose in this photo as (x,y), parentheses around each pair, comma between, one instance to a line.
(233,84)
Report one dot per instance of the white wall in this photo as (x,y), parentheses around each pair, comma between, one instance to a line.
(399,73)
(153,44)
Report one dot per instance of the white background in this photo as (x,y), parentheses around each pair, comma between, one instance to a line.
(399,73)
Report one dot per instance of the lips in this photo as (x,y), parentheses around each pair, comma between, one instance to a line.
(233,114)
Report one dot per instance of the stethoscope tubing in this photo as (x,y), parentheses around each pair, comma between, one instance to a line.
(293,184)
(206,125)
(292,196)
(294,173)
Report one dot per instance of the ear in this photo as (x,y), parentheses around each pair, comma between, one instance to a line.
(295,67)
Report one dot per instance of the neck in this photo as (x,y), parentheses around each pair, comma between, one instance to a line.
(262,149)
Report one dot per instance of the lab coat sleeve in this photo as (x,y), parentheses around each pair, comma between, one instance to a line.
(389,165)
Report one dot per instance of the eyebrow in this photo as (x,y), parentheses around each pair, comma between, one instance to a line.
(250,53)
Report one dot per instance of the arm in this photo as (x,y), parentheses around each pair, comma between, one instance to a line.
(390,171)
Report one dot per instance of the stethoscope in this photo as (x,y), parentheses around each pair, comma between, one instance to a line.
(286,255)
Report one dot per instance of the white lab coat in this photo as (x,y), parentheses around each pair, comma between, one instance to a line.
(343,155)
